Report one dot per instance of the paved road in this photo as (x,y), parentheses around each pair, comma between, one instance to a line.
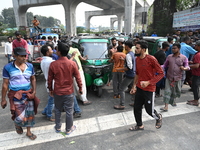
(103,128)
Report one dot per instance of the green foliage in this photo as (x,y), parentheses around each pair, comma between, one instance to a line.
(163,11)
(9,17)
(80,30)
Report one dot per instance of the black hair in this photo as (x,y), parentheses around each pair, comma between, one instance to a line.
(129,43)
(143,44)
(17,33)
(63,49)
(186,38)
(50,43)
(169,39)
(120,48)
(113,39)
(177,44)
(165,45)
(44,49)
(44,37)
(50,37)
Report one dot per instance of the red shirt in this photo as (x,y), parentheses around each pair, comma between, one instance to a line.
(62,72)
(118,63)
(148,69)
(196,60)
(21,43)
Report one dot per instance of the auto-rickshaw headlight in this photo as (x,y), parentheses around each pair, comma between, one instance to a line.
(98,71)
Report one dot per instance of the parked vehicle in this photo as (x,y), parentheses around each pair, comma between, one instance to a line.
(96,68)
(154,43)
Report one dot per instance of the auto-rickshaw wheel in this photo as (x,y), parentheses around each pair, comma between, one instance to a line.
(99,91)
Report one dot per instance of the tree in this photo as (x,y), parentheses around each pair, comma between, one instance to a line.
(163,11)
(9,17)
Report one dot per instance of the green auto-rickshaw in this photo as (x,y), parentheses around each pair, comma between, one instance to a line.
(96,68)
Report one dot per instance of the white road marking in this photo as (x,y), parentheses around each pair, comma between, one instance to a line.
(11,140)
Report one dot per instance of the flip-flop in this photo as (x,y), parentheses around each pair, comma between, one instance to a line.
(32,136)
(163,109)
(73,128)
(57,130)
(136,128)
(19,129)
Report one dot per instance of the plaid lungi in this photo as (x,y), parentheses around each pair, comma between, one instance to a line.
(172,91)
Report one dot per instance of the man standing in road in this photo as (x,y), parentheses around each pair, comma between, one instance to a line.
(18,76)
(78,58)
(175,64)
(129,73)
(62,72)
(148,73)
(8,49)
(45,63)
(195,64)
(20,42)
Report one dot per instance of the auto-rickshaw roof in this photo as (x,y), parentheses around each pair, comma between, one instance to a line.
(154,39)
(89,39)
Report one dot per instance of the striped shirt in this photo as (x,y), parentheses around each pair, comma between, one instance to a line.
(18,80)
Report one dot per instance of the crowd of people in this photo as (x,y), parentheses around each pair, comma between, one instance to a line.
(134,71)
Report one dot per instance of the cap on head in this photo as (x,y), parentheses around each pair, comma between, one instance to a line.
(121,40)
(20,51)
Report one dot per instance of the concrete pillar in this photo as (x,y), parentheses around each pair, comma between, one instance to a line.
(87,20)
(70,17)
(20,14)
(112,21)
(129,22)
(120,19)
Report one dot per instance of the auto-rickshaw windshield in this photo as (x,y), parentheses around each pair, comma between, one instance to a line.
(95,50)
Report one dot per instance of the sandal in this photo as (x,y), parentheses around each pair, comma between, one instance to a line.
(164,109)
(136,128)
(57,130)
(73,128)
(19,129)
(159,122)
(32,136)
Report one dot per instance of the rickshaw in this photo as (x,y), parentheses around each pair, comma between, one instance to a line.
(96,68)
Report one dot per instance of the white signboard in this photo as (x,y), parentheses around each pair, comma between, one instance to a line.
(190,17)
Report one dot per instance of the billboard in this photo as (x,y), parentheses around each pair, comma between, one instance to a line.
(187,19)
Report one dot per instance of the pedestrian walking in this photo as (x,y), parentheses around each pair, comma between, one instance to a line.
(175,64)
(148,73)
(129,73)
(8,49)
(195,64)
(161,57)
(19,80)
(62,72)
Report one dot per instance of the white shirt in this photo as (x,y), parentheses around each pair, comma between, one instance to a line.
(8,48)
(45,63)
(55,43)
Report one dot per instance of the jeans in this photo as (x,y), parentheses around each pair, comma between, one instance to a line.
(8,56)
(126,81)
(76,106)
(195,86)
(49,107)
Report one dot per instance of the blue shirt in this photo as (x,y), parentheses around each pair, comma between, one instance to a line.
(187,50)
(18,80)
(169,51)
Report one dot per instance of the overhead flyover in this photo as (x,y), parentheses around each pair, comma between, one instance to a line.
(110,7)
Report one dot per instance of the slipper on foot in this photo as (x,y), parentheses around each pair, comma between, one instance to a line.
(32,136)
(136,128)
(73,128)
(164,109)
(57,130)
(19,129)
